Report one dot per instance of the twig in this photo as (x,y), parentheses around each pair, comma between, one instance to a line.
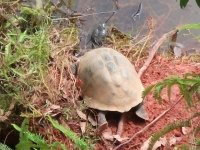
(154,50)
(150,124)
(84,15)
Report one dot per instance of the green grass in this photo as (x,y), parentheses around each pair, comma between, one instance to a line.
(23,63)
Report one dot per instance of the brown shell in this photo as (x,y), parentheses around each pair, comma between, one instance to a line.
(110,81)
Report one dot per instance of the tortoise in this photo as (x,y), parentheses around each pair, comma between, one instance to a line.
(110,83)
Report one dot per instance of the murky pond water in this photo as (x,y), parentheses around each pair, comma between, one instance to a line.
(166,14)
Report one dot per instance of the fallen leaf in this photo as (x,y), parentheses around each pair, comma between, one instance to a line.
(107,135)
(81,114)
(159,143)
(47,111)
(173,140)
(55,107)
(83,127)
(186,130)
(119,138)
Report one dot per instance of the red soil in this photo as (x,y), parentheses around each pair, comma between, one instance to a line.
(160,68)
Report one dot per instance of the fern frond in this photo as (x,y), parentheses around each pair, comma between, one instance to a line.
(186,94)
(24,141)
(80,143)
(156,136)
(158,88)
(170,127)
(188,85)
(147,90)
(30,140)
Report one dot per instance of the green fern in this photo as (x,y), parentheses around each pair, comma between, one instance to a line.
(156,136)
(188,85)
(170,127)
(30,140)
(80,143)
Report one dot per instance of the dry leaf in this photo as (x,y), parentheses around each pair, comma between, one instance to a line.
(83,127)
(52,110)
(186,130)
(47,111)
(119,138)
(173,140)
(81,114)
(55,107)
(158,144)
(107,135)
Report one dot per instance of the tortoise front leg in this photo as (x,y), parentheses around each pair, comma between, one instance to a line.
(103,128)
(102,122)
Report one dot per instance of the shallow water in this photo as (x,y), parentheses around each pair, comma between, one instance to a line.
(166,14)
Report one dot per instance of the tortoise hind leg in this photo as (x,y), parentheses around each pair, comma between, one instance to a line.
(118,137)
(141,112)
(120,127)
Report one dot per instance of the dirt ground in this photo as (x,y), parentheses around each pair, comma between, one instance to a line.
(160,68)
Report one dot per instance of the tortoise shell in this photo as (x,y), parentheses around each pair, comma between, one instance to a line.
(110,81)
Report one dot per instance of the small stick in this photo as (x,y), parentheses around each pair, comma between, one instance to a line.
(154,50)
(85,15)
(110,17)
(150,124)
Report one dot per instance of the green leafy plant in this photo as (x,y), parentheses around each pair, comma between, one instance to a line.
(30,140)
(189,87)
(170,127)
(79,143)
(24,60)
(183,3)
